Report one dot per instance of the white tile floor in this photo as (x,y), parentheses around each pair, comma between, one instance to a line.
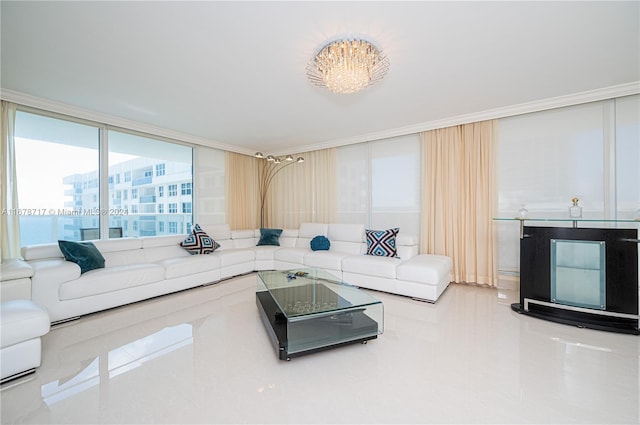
(203,356)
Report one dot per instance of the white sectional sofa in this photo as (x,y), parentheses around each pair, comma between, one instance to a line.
(141,268)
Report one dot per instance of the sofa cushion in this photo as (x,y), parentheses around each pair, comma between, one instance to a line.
(121,252)
(308,231)
(15,269)
(320,243)
(265,252)
(111,279)
(269,237)
(382,243)
(161,241)
(291,255)
(84,254)
(229,257)
(243,238)
(53,272)
(325,259)
(426,268)
(190,264)
(371,265)
(118,245)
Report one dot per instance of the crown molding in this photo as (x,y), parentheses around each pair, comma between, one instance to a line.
(111,120)
(519,109)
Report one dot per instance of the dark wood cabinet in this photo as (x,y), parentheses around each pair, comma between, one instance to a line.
(580,276)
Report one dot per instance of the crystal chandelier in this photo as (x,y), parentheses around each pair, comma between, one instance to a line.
(347,66)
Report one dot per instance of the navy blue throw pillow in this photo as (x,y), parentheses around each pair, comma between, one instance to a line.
(84,254)
(320,243)
(270,237)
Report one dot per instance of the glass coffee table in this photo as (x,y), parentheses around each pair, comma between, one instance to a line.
(308,310)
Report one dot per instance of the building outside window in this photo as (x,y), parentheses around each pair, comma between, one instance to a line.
(69,155)
(154,164)
(173,190)
(173,227)
(186,189)
(160,170)
(186,207)
(173,208)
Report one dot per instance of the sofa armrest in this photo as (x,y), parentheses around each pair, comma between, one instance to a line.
(15,280)
(47,278)
(15,269)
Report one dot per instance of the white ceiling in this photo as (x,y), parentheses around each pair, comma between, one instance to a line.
(233,73)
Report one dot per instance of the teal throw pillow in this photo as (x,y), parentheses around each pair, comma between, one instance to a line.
(320,243)
(270,237)
(84,254)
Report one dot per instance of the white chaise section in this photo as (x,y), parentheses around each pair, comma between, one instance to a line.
(22,323)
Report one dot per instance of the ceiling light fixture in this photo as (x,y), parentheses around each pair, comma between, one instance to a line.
(348,66)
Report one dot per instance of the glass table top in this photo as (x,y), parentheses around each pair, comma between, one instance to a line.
(304,292)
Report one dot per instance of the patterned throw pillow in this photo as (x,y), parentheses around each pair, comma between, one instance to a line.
(382,243)
(198,242)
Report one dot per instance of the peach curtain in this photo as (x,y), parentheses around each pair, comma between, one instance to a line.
(459,199)
(305,192)
(243,209)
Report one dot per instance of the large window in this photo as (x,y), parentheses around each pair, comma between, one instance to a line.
(379,184)
(51,157)
(142,158)
(64,193)
(589,151)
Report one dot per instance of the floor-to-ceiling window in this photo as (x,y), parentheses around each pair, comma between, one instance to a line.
(51,155)
(152,165)
(379,184)
(139,185)
(589,151)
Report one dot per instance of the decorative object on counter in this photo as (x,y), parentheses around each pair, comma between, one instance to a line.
(575,210)
(522,213)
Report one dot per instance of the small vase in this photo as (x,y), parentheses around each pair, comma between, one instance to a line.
(522,213)
(575,210)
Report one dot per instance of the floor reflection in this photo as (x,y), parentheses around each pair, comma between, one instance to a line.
(118,361)
(204,356)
